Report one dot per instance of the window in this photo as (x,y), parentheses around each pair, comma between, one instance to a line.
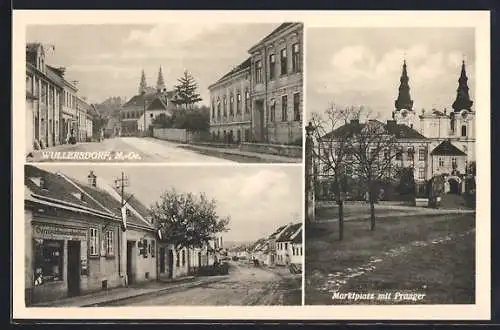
(48,261)
(93,242)
(296,106)
(272,67)
(284,108)
(238,103)
(441,161)
(247,102)
(213,109)
(272,110)
(177,259)
(110,247)
(225,107)
(286,246)
(421,173)
(387,154)
(454,162)
(258,72)
(295,58)
(231,105)
(421,154)
(183,257)
(218,108)
(410,153)
(464,130)
(283,59)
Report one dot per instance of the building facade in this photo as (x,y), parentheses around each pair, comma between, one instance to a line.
(230,118)
(284,244)
(137,114)
(43,90)
(261,100)
(75,238)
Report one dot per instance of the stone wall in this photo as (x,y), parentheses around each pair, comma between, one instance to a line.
(273,149)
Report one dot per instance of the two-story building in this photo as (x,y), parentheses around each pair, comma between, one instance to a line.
(43,90)
(284,244)
(276,85)
(261,100)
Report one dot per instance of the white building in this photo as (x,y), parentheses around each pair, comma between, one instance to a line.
(284,244)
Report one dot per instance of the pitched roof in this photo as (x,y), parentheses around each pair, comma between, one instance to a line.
(286,236)
(137,102)
(445,148)
(298,237)
(398,130)
(273,235)
(57,188)
(114,205)
(242,66)
(280,28)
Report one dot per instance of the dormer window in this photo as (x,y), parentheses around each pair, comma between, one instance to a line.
(79,196)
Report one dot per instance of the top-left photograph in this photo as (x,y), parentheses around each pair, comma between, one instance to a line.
(180,93)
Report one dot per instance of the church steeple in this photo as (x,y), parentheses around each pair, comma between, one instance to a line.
(160,83)
(404,100)
(463,100)
(143,85)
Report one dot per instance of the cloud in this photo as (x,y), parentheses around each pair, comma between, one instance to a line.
(162,35)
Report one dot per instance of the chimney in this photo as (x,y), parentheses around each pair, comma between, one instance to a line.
(42,183)
(92,179)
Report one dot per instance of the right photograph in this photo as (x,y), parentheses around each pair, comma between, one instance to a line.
(390,166)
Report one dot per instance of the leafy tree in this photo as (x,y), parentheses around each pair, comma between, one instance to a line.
(163,121)
(186,91)
(187,220)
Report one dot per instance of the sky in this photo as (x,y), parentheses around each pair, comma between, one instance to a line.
(258,199)
(107,60)
(362,67)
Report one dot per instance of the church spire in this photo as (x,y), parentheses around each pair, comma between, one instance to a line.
(463,100)
(404,100)
(143,85)
(160,83)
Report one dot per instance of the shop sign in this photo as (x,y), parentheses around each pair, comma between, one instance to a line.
(57,232)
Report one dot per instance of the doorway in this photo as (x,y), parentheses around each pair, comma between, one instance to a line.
(258,117)
(454,186)
(73,268)
(199,259)
(162,260)
(130,250)
(170,260)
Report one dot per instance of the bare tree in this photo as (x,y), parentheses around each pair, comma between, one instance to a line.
(332,151)
(373,149)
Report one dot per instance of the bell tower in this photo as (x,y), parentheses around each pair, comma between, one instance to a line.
(160,83)
(143,85)
(403,112)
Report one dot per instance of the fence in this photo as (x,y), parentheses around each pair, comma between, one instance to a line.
(180,135)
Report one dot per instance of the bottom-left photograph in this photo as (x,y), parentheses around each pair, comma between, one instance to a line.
(127,235)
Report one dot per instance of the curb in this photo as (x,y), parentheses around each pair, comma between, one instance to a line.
(184,285)
(438,213)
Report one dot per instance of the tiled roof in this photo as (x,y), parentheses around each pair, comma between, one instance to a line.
(114,205)
(243,66)
(398,130)
(298,237)
(286,236)
(445,148)
(273,235)
(57,188)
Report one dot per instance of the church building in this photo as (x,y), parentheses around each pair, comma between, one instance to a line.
(138,113)
(451,134)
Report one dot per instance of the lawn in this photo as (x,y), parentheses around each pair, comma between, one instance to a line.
(431,255)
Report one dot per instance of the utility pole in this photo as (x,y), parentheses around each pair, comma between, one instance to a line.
(120,184)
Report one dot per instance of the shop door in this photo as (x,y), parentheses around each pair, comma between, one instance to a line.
(162,260)
(130,250)
(73,268)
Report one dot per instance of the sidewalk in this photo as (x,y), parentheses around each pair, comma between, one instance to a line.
(410,211)
(117,294)
(263,156)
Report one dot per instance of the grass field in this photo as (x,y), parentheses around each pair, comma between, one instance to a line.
(430,255)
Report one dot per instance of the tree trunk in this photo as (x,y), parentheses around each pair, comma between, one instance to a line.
(341,219)
(372,213)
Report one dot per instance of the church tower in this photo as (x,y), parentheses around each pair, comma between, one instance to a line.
(403,113)
(160,83)
(463,101)
(143,85)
